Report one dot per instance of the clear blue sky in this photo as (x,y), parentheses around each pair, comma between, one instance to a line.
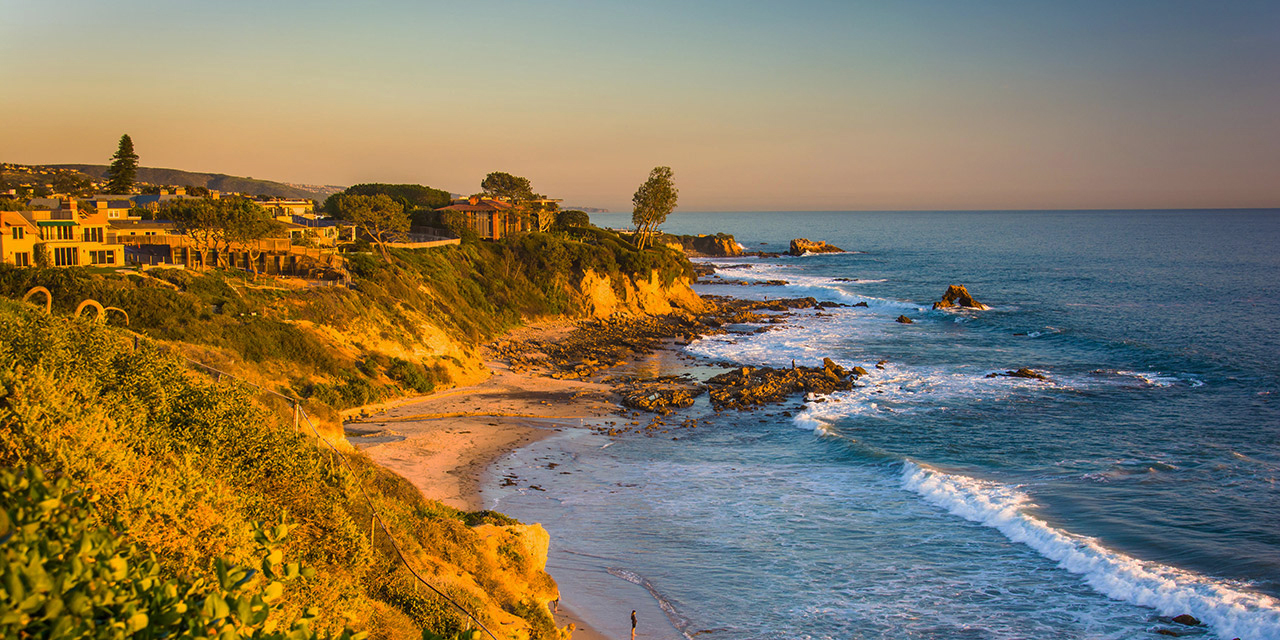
(796,105)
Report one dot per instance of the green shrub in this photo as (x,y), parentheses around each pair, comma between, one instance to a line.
(65,576)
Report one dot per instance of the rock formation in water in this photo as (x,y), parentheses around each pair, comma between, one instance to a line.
(958,297)
(905,320)
(801,246)
(719,245)
(1024,372)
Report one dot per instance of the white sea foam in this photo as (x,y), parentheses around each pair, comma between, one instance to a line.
(1228,610)
(899,389)
(822,288)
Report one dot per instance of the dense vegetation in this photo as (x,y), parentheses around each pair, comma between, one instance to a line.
(410,196)
(183,469)
(341,347)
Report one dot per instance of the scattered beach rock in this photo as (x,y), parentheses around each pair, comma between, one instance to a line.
(860,304)
(1024,372)
(958,296)
(881,364)
(801,246)
(1187,619)
(905,320)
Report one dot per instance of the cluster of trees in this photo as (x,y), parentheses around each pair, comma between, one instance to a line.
(214,225)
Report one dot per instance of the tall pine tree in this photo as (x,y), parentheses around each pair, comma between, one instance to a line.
(123,171)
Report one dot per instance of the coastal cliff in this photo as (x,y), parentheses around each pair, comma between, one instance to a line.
(186,460)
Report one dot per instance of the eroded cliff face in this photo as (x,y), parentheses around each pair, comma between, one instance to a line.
(601,298)
(516,581)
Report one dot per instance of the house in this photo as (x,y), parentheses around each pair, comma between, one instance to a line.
(490,219)
(277,207)
(18,238)
(69,236)
(324,232)
(115,207)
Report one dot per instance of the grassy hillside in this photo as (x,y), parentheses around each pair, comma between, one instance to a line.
(183,467)
(187,468)
(404,327)
(218,181)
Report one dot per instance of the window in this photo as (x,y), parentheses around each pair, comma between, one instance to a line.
(65,256)
(102,257)
(93,234)
(22,259)
(18,233)
(66,233)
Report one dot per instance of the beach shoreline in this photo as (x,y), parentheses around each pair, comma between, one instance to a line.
(445,443)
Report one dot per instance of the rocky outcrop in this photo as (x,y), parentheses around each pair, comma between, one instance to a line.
(958,297)
(1030,374)
(661,395)
(1187,619)
(601,296)
(801,246)
(751,386)
(720,245)
(904,320)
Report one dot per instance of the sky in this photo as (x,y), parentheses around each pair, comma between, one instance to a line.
(797,105)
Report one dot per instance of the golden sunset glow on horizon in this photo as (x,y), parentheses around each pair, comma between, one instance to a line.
(812,106)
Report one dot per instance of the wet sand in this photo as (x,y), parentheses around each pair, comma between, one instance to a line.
(444,443)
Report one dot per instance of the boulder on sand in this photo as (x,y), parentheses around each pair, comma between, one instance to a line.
(801,246)
(958,296)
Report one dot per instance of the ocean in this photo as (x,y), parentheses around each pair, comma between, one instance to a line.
(1137,483)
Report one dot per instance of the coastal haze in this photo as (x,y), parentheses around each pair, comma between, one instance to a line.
(756,106)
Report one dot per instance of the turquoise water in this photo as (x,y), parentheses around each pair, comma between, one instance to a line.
(1138,483)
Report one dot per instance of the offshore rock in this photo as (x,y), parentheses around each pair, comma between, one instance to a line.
(1024,372)
(801,246)
(1187,619)
(752,386)
(958,296)
(904,320)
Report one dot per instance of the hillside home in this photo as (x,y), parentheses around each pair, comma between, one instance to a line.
(18,238)
(278,207)
(490,219)
(71,237)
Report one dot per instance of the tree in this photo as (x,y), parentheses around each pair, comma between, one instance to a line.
(378,217)
(123,171)
(247,227)
(653,202)
(411,196)
(216,224)
(572,218)
(504,185)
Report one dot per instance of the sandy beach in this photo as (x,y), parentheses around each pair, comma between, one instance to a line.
(445,442)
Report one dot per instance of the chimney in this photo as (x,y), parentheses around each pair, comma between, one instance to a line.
(101,204)
(180,191)
(474,200)
(164,192)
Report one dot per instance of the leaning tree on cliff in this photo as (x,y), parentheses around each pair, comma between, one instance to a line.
(652,203)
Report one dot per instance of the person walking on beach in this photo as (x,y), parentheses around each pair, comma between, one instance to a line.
(633,624)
